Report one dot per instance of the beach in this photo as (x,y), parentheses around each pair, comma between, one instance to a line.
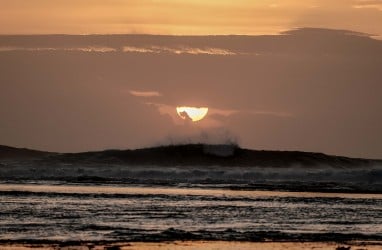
(205,245)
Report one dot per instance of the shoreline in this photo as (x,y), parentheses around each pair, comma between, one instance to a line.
(289,187)
(196,245)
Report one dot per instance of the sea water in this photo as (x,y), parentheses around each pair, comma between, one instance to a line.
(116,212)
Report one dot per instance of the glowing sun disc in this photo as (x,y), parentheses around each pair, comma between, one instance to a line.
(193,113)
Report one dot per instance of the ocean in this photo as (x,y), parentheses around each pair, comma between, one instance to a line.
(42,211)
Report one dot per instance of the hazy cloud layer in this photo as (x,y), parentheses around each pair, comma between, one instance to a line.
(186,17)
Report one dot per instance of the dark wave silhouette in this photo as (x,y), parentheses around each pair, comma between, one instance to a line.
(199,165)
(7,152)
(191,155)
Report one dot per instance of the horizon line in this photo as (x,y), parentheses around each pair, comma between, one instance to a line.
(281,32)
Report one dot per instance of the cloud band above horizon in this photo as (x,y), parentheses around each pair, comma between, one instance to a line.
(186,17)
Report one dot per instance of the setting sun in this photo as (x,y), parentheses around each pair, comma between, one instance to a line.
(193,113)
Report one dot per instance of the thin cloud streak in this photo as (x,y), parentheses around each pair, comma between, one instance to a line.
(133,49)
(179,50)
(368,4)
(80,49)
(137,49)
(145,93)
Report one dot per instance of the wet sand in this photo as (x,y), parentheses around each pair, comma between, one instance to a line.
(199,245)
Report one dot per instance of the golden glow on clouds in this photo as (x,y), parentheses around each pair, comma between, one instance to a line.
(195,114)
(178,50)
(137,49)
(186,17)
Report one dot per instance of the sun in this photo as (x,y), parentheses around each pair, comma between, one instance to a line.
(193,113)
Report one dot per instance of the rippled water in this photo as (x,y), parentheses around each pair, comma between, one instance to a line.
(94,213)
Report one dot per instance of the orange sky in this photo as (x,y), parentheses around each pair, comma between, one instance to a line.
(181,17)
